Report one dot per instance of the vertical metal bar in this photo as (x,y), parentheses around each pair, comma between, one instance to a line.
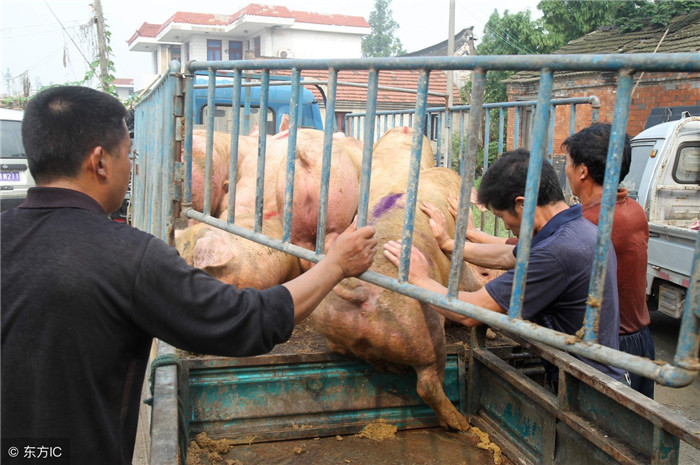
(612,175)
(372,84)
(209,154)
(246,109)
(572,119)
(291,157)
(467,179)
(487,135)
(412,189)
(326,167)
(461,142)
(550,138)
(501,129)
(516,129)
(377,131)
(233,153)
(440,155)
(448,149)
(262,147)
(534,172)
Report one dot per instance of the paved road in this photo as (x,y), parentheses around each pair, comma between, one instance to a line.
(686,401)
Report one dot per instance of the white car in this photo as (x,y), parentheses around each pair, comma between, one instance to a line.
(15,178)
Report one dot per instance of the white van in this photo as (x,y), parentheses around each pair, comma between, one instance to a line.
(15,178)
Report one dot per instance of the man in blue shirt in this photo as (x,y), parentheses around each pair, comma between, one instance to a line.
(561,258)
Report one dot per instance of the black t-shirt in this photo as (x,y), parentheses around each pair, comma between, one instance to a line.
(82,297)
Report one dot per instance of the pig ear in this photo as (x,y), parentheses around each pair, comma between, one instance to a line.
(284,123)
(212,251)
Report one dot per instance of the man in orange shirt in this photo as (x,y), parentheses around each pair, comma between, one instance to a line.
(587,151)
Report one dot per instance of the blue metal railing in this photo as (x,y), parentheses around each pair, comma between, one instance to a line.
(155,193)
(354,123)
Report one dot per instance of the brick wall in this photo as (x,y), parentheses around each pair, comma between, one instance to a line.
(652,90)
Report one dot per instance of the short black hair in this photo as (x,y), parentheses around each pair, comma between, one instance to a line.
(62,124)
(506,179)
(589,146)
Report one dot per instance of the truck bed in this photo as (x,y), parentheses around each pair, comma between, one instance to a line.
(419,446)
(386,428)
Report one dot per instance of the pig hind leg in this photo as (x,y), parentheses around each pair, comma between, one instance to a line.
(429,387)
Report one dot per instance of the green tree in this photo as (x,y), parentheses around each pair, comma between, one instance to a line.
(511,34)
(382,41)
(567,20)
(634,15)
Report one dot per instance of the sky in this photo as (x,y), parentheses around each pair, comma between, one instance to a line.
(49,40)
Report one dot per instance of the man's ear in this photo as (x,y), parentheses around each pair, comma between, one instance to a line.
(519,202)
(582,171)
(95,163)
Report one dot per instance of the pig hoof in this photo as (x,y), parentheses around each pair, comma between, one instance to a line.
(457,422)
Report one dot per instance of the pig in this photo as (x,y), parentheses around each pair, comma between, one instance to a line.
(246,183)
(388,330)
(342,195)
(235,260)
(220,162)
(391,161)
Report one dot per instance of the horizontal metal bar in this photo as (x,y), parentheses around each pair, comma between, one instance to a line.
(593,100)
(663,62)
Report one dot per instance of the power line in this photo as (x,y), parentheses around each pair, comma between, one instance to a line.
(499,34)
(37,33)
(69,36)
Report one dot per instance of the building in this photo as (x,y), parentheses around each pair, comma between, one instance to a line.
(259,31)
(255,31)
(124,86)
(651,89)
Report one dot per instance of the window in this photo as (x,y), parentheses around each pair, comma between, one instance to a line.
(687,167)
(235,50)
(213,50)
(641,152)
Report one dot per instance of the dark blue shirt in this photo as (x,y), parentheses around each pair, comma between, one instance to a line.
(558,275)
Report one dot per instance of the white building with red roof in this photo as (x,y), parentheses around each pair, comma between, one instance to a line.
(252,32)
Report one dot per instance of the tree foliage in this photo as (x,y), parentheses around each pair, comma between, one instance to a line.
(511,34)
(382,42)
(566,20)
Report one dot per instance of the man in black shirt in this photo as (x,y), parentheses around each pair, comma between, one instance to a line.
(83,296)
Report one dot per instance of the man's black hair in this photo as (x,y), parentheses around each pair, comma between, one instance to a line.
(589,146)
(61,125)
(506,179)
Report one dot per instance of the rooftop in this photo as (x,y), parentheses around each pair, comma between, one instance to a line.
(251,17)
(681,36)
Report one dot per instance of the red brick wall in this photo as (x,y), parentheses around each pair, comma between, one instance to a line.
(653,90)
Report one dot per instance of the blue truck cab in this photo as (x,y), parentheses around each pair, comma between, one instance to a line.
(278,104)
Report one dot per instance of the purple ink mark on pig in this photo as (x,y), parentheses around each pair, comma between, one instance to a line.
(385,204)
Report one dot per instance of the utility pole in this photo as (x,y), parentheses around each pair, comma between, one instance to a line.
(450,84)
(101,44)
(450,50)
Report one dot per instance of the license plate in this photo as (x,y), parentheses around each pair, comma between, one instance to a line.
(9,176)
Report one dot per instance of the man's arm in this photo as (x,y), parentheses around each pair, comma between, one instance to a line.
(351,254)
(418,275)
(497,254)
